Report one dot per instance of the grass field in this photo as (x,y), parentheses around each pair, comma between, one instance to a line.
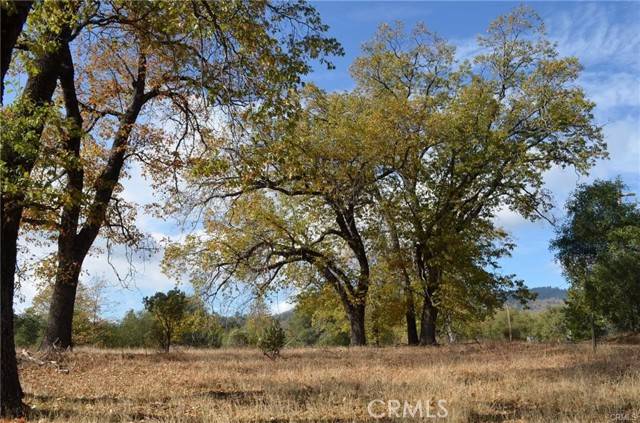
(483,383)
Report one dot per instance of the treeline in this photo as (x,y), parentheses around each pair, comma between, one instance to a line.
(199,327)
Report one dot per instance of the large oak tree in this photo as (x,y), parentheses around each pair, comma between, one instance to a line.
(118,63)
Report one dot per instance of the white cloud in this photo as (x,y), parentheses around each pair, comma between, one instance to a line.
(623,139)
(282,306)
(508,219)
(610,90)
(595,34)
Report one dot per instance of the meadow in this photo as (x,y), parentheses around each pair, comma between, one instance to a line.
(496,382)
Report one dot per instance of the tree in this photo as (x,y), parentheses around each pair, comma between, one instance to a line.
(14,14)
(150,61)
(617,275)
(300,330)
(200,328)
(168,310)
(472,140)
(320,305)
(88,324)
(301,195)
(272,339)
(135,330)
(597,248)
(257,320)
(431,147)
(28,328)
(22,124)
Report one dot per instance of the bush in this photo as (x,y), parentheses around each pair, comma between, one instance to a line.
(272,340)
(29,328)
(237,337)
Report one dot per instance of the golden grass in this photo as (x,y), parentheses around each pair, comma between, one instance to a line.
(492,382)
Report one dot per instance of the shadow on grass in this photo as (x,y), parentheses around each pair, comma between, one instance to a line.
(609,365)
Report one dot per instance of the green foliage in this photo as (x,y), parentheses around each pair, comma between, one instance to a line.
(257,320)
(597,246)
(136,330)
(200,328)
(272,339)
(548,325)
(88,326)
(617,275)
(429,146)
(323,309)
(29,328)
(168,310)
(300,330)
(237,337)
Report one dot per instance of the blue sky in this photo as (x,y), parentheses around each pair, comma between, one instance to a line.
(604,36)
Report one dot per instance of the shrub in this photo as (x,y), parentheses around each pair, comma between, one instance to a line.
(237,337)
(272,340)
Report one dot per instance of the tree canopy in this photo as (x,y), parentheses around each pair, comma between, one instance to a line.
(597,248)
(410,167)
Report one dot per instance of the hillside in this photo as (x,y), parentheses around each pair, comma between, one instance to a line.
(547,297)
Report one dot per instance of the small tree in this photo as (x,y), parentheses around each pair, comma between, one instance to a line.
(597,248)
(272,340)
(168,310)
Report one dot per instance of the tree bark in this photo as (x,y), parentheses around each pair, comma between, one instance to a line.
(11,27)
(410,313)
(430,277)
(428,322)
(74,245)
(356,315)
(60,322)
(410,308)
(10,391)
(354,303)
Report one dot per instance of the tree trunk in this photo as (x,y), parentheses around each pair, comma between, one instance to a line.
(38,91)
(428,322)
(10,390)
(11,27)
(451,335)
(74,245)
(357,323)
(410,315)
(60,321)
(410,308)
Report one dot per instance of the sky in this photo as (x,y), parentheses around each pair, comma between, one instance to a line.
(605,37)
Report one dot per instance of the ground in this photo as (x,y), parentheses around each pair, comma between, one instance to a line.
(479,382)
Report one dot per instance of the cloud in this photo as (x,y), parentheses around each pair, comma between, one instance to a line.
(282,306)
(508,219)
(611,90)
(466,48)
(599,34)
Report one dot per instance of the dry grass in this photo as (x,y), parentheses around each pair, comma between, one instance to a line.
(483,383)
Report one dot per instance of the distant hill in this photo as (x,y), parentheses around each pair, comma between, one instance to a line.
(548,296)
(549,292)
